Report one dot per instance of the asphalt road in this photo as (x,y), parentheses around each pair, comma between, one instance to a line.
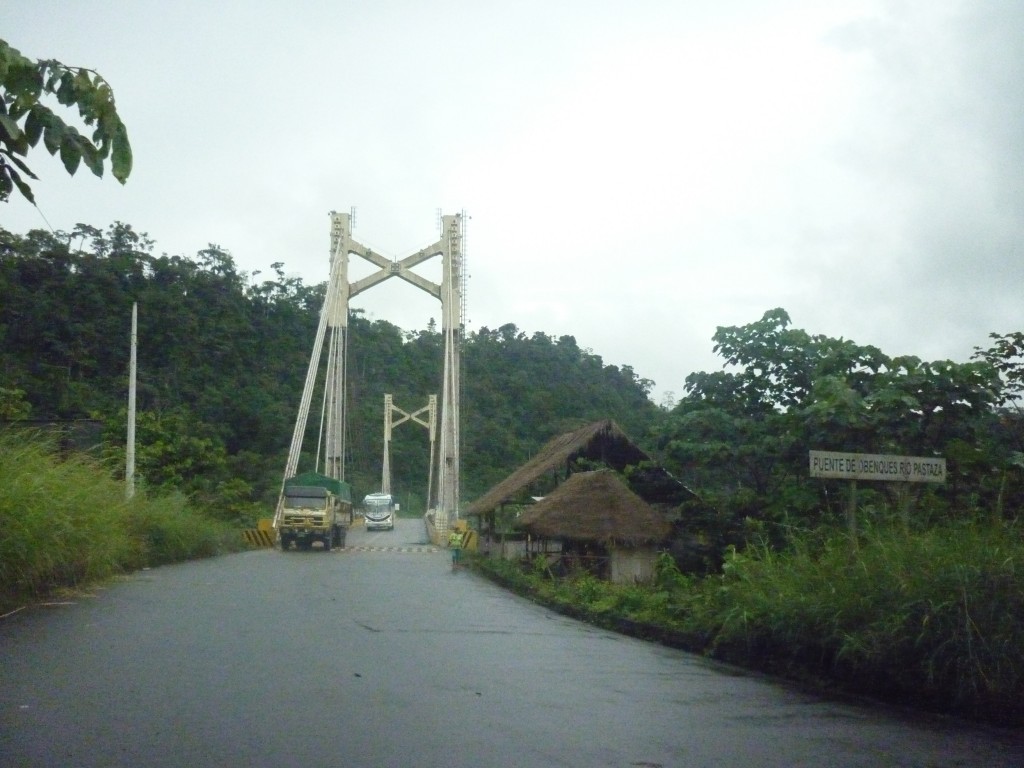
(380,655)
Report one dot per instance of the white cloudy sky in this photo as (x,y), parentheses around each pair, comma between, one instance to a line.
(637,173)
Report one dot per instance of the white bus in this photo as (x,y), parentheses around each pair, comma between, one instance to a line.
(379,511)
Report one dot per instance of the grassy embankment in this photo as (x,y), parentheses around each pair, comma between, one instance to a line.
(932,619)
(66,523)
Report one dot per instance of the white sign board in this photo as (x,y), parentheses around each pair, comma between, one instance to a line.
(870,466)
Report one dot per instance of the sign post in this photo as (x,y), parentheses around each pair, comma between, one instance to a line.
(836,465)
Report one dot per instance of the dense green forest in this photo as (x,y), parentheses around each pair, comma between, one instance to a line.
(222,358)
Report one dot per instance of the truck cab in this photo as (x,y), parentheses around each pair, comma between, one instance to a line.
(313,508)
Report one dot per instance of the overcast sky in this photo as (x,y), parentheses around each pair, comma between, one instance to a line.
(637,174)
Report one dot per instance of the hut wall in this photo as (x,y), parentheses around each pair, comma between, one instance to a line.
(507,547)
(630,565)
(512,547)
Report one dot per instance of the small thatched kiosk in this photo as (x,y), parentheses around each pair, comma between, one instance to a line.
(601,524)
(601,443)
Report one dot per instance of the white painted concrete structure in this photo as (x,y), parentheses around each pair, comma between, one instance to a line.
(443,496)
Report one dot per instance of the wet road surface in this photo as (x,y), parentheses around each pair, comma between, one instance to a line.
(380,655)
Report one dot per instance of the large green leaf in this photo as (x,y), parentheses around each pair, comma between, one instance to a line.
(24,188)
(53,135)
(11,127)
(121,159)
(19,163)
(90,155)
(66,93)
(70,154)
(34,125)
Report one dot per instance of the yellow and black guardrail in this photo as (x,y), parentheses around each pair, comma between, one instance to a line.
(261,536)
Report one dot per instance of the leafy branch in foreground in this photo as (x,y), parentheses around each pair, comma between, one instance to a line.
(25,119)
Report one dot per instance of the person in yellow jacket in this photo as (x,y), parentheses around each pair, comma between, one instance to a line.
(455,545)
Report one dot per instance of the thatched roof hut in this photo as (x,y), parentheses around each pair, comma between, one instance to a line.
(602,441)
(596,507)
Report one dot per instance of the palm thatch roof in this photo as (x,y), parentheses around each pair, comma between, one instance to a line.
(602,441)
(595,507)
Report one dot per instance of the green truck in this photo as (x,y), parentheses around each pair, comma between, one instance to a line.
(313,508)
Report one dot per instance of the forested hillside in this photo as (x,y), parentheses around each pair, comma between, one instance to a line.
(222,357)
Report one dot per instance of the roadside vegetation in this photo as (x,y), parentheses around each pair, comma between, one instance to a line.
(65,522)
(933,619)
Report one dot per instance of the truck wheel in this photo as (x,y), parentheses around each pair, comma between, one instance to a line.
(327,542)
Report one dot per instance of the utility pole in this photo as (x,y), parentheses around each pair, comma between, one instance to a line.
(129,470)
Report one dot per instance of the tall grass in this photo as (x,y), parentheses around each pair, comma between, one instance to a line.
(65,522)
(932,618)
(935,617)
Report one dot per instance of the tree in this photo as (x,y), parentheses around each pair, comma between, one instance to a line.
(741,436)
(1006,355)
(25,119)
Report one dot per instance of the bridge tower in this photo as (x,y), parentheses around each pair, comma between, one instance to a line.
(443,496)
(390,422)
